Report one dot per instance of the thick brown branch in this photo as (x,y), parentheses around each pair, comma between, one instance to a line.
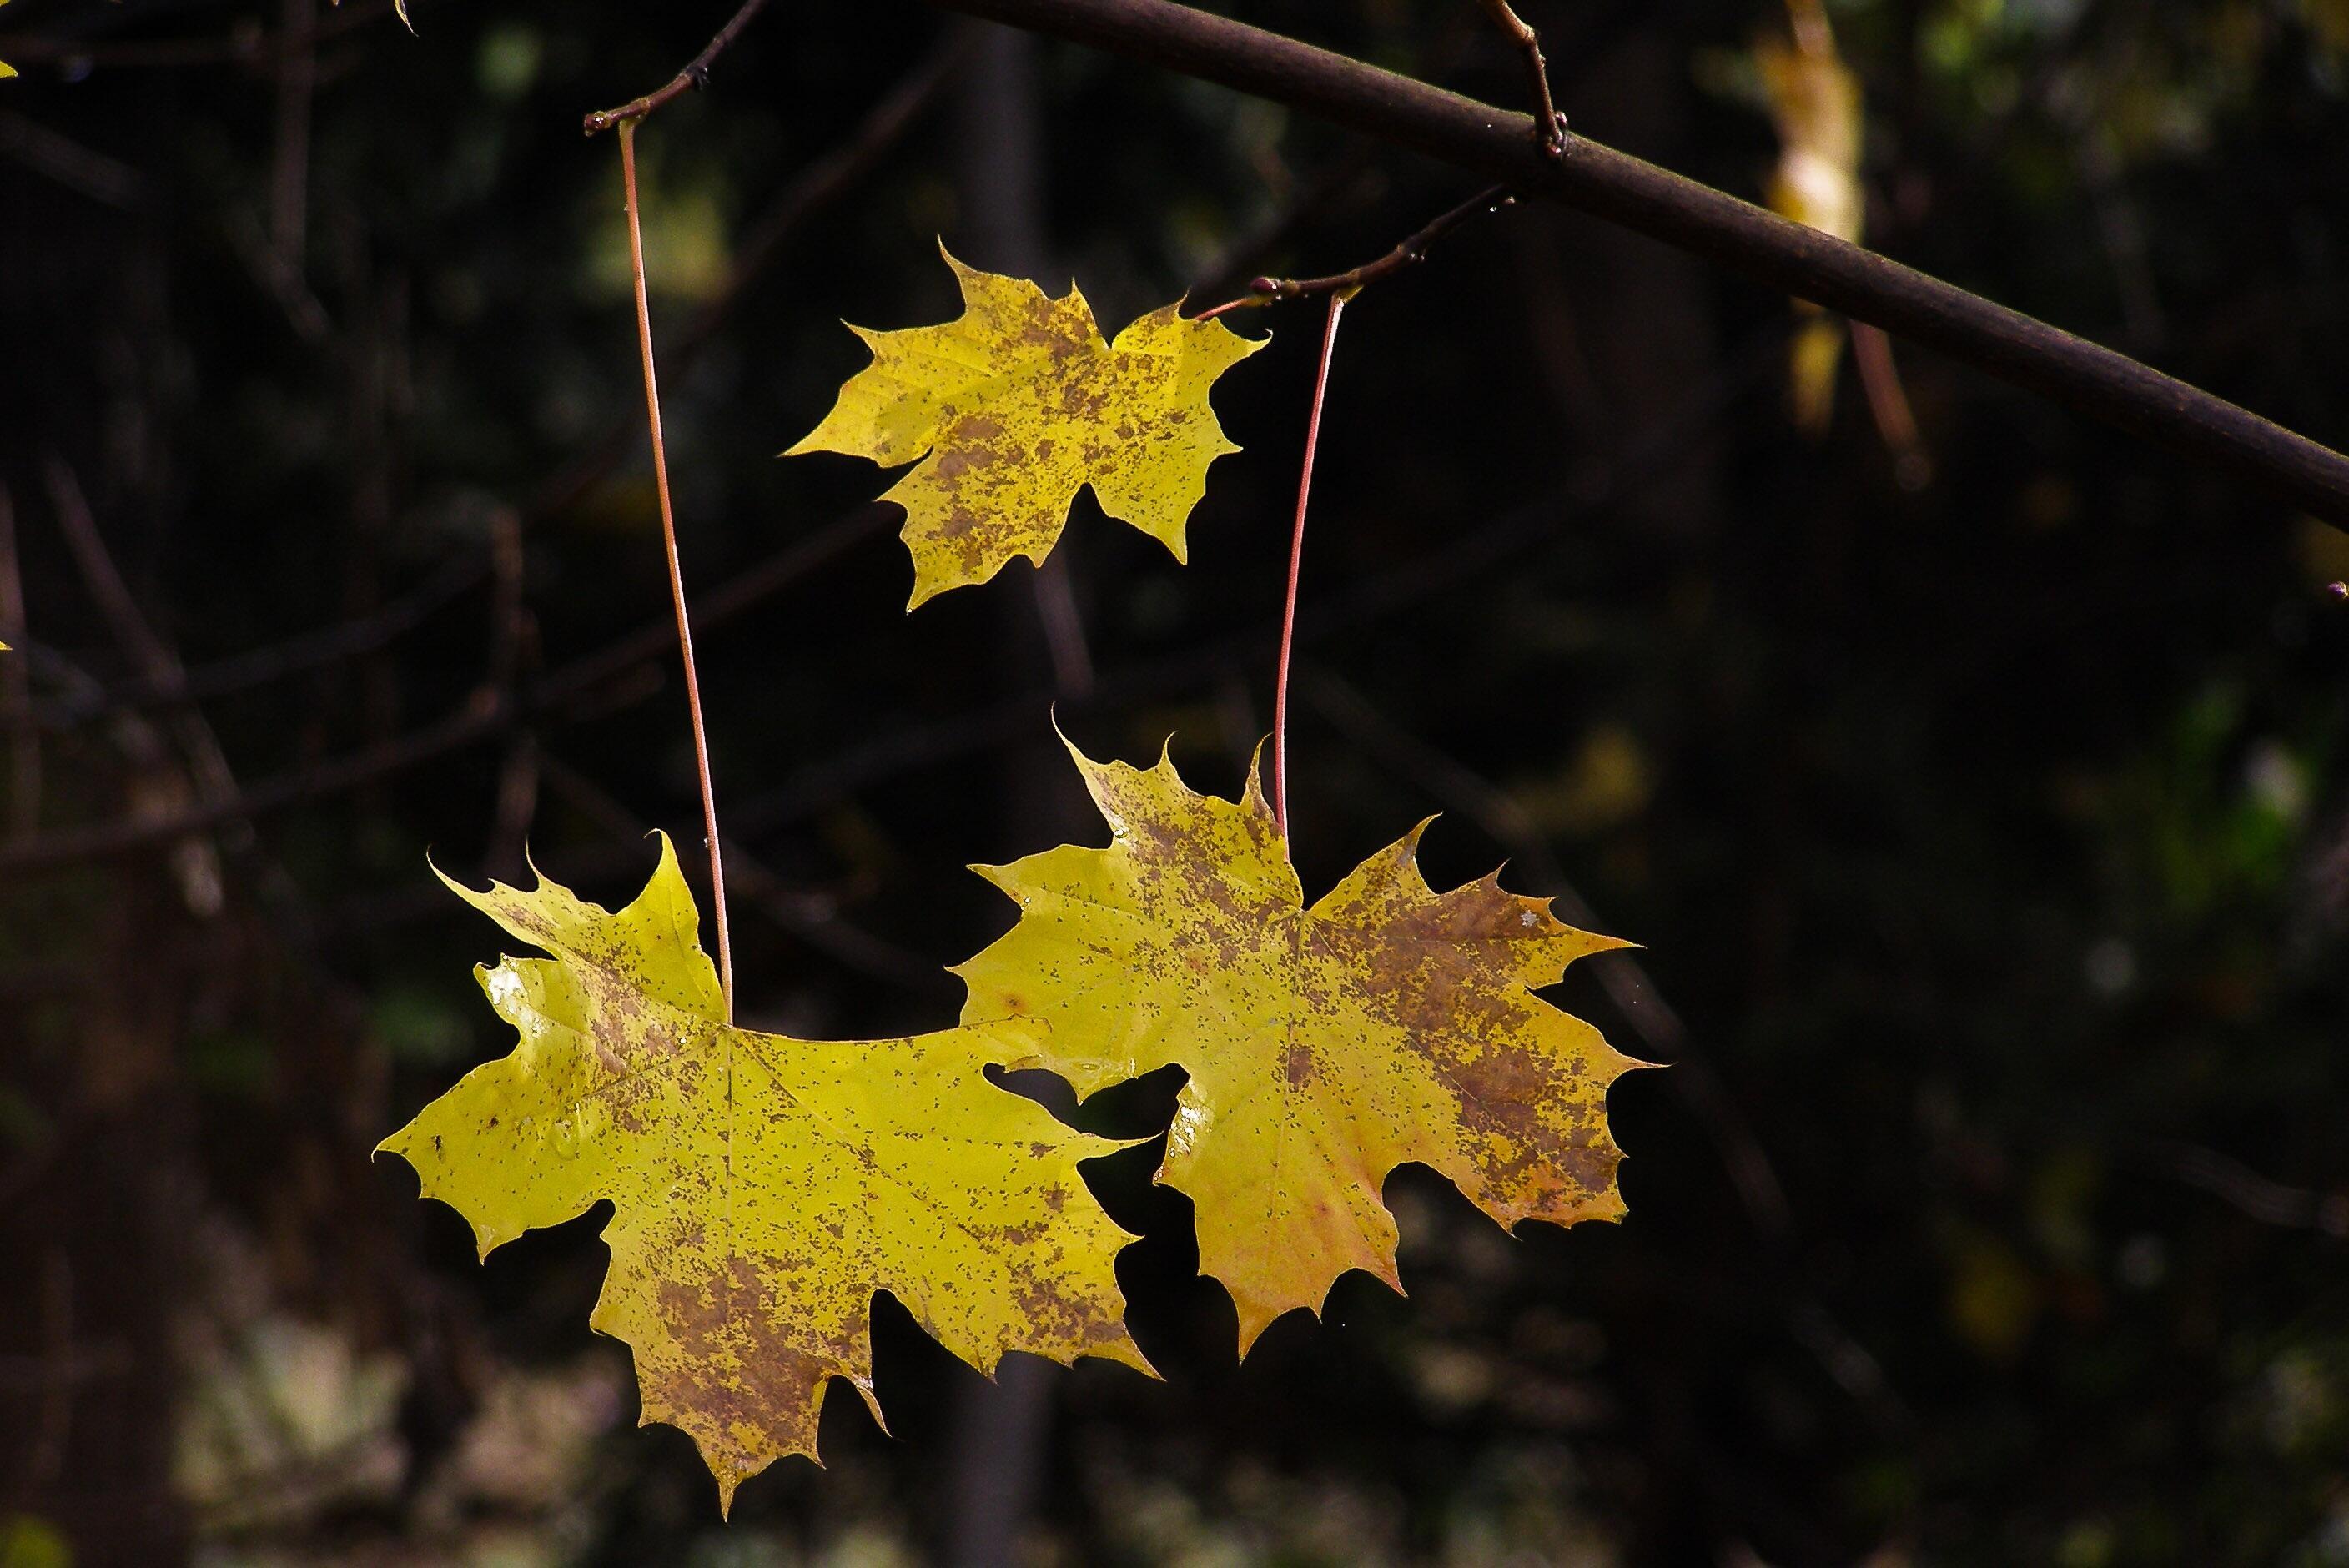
(695,76)
(1775,250)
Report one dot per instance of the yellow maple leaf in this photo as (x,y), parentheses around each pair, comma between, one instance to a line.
(1017,405)
(6,69)
(762,1187)
(1326,1047)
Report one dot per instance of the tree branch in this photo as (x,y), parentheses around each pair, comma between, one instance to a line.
(695,76)
(1774,250)
(1410,252)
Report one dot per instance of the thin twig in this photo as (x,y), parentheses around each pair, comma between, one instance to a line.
(1412,251)
(693,79)
(676,571)
(1356,175)
(1296,562)
(1549,126)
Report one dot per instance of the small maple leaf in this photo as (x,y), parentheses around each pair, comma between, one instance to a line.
(1326,1047)
(762,1187)
(1018,404)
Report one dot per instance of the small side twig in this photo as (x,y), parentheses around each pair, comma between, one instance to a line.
(676,571)
(694,77)
(1411,253)
(1549,126)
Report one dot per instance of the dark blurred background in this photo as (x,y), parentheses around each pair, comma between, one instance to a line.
(1977,792)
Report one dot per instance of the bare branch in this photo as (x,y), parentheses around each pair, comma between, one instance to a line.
(694,77)
(1410,252)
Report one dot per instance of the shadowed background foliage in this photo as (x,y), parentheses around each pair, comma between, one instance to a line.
(1982,815)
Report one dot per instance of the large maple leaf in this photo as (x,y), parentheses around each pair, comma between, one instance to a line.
(1326,1047)
(1017,405)
(762,1188)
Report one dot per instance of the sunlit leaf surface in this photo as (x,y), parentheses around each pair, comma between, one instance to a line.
(762,1187)
(1326,1047)
(1017,405)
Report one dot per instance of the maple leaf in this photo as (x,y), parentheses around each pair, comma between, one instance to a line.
(762,1187)
(1017,405)
(1326,1047)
